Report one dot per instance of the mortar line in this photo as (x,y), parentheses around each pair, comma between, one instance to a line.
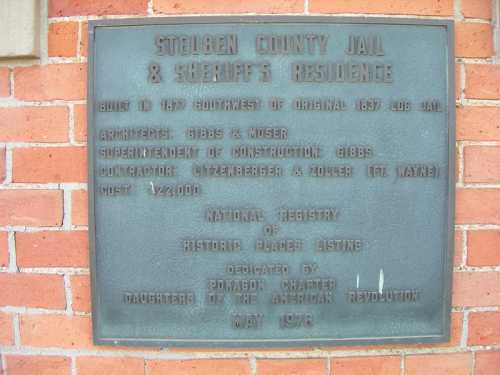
(3,363)
(253,365)
(17,330)
(68,294)
(150,10)
(465,329)
(11,82)
(67,207)
(44,32)
(71,123)
(11,245)
(462,79)
(402,364)
(473,364)
(79,40)
(306,6)
(328,367)
(457,7)
(73,365)
(314,353)
(465,250)
(8,165)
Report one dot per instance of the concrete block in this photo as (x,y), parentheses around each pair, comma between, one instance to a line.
(19,28)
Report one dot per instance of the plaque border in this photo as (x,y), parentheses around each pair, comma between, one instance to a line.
(444,336)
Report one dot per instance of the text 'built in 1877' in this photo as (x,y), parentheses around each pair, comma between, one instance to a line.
(270,181)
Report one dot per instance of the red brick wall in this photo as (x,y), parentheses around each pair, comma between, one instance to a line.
(45,324)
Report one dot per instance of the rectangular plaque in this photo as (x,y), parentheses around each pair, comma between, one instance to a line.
(271,181)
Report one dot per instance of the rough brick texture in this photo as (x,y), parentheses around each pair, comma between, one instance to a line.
(439,364)
(6,329)
(473,40)
(56,331)
(484,328)
(4,250)
(43,365)
(383,365)
(198,367)
(109,366)
(478,206)
(291,367)
(484,248)
(61,8)
(476,8)
(476,289)
(31,290)
(34,124)
(80,285)
(63,38)
(478,123)
(51,82)
(4,82)
(79,210)
(31,207)
(52,249)
(482,164)
(228,6)
(80,123)
(421,7)
(54,164)
(482,81)
(487,363)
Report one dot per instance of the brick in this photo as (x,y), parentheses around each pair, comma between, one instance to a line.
(477,206)
(59,331)
(2,165)
(476,289)
(34,124)
(483,248)
(421,7)
(79,209)
(81,123)
(383,365)
(52,249)
(32,290)
(62,8)
(439,364)
(43,365)
(484,328)
(4,250)
(198,367)
(109,366)
(458,251)
(51,82)
(80,288)
(482,81)
(476,8)
(487,363)
(478,123)
(4,82)
(63,39)
(6,329)
(482,164)
(84,39)
(53,164)
(31,207)
(291,366)
(473,40)
(228,6)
